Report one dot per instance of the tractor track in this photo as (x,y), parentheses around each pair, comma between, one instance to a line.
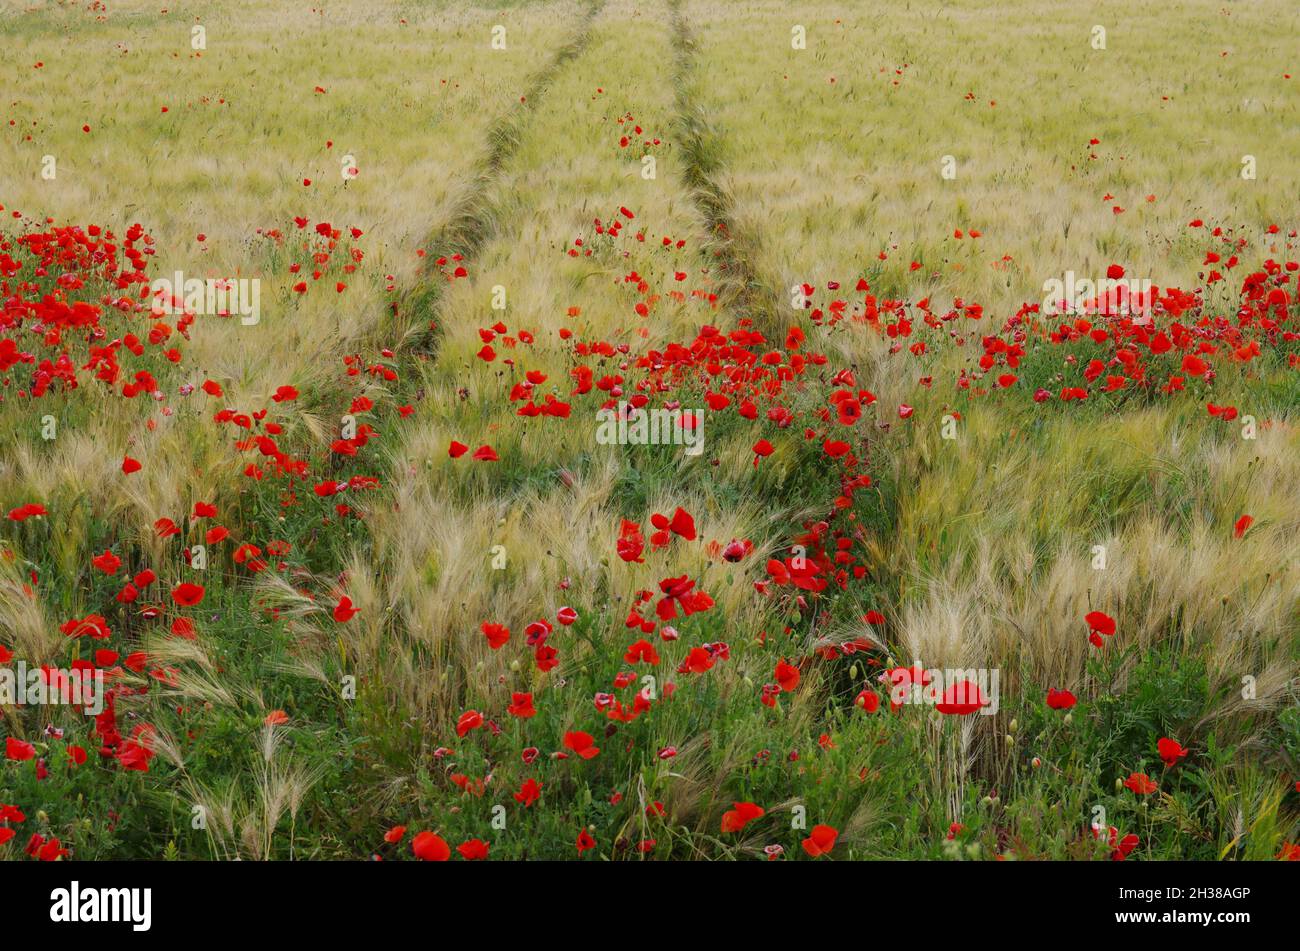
(473,221)
(741,285)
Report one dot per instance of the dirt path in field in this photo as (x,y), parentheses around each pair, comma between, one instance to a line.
(734,249)
(473,221)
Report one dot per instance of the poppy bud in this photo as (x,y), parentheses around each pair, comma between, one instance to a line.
(1119,784)
(1009,739)
(1069,718)
(1013,726)
(1036,762)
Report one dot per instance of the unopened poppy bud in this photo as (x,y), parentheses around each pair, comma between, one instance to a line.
(1009,739)
(987,800)
(42,816)
(1013,726)
(1036,762)
(1119,784)
(514,665)
(1069,718)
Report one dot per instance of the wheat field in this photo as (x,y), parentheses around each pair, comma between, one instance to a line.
(649,430)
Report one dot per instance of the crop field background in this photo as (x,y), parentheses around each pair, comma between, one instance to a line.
(649,430)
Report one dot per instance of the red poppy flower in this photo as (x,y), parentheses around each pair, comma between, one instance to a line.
(430,847)
(469,720)
(108,562)
(496,634)
(641,652)
(787,675)
(630,542)
(1140,783)
(1100,623)
(581,743)
(1060,699)
(820,840)
(16,749)
(187,594)
(681,524)
(344,611)
(1170,750)
(740,815)
(474,850)
(92,624)
(521,705)
(24,512)
(52,851)
(961,699)
(529,792)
